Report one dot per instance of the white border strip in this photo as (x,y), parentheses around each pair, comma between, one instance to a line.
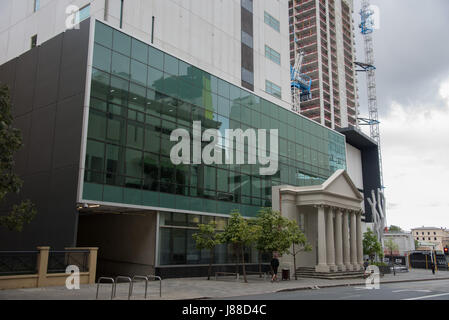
(82,163)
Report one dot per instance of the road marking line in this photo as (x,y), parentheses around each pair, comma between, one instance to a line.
(411,291)
(426,297)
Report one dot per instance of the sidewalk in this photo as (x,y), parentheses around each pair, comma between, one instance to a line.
(200,288)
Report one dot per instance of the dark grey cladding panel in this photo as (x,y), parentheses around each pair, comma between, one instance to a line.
(25,83)
(247,58)
(247,21)
(48,72)
(53,74)
(23,123)
(62,207)
(8,73)
(74,58)
(41,139)
(69,121)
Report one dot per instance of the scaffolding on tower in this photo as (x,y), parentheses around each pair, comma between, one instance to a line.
(367,29)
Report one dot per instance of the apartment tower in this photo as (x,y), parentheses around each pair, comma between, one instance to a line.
(323,30)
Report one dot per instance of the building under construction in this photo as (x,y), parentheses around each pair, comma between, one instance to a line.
(323,30)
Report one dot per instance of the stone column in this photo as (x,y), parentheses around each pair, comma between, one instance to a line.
(359,239)
(321,226)
(355,266)
(288,210)
(339,241)
(346,245)
(330,240)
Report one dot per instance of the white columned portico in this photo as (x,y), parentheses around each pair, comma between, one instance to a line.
(353,228)
(330,240)
(346,244)
(328,208)
(322,251)
(339,241)
(359,239)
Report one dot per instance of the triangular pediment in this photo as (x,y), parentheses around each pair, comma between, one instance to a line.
(341,184)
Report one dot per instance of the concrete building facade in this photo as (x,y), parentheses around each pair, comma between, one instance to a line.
(436,236)
(404,240)
(324,30)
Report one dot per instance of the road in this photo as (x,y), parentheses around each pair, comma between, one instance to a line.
(420,290)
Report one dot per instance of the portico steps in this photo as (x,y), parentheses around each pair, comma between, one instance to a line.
(309,272)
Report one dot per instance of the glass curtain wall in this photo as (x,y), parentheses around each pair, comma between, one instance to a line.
(140,94)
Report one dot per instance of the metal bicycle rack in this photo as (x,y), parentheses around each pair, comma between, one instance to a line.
(99,282)
(128,279)
(160,283)
(141,278)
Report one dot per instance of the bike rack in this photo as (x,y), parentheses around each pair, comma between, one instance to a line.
(128,279)
(99,282)
(146,284)
(160,283)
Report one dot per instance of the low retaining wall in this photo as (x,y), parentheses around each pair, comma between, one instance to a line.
(44,279)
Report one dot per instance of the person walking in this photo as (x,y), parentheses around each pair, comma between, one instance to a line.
(432,265)
(366,264)
(274,266)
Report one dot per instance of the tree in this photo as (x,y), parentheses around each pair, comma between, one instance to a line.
(207,238)
(395,229)
(416,244)
(274,234)
(371,246)
(241,234)
(298,242)
(391,246)
(10,142)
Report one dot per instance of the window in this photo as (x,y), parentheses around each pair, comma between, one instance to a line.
(84,13)
(248,5)
(34,41)
(272,22)
(37,4)
(273,89)
(435,238)
(273,55)
(247,39)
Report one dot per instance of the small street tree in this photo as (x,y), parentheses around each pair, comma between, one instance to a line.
(10,142)
(371,246)
(207,239)
(391,246)
(274,234)
(298,242)
(240,233)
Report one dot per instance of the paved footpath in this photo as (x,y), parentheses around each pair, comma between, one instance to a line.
(201,288)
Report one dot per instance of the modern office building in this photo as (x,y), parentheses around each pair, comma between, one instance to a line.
(97,156)
(244,42)
(324,30)
(97,106)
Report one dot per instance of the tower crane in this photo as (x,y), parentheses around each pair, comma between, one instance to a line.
(301,84)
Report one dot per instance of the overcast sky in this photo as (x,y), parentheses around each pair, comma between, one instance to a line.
(412,60)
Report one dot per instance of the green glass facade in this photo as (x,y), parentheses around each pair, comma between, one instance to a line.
(140,94)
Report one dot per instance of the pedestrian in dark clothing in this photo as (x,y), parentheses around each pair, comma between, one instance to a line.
(366,264)
(274,266)
(432,265)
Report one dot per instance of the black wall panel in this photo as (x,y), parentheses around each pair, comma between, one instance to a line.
(48,87)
